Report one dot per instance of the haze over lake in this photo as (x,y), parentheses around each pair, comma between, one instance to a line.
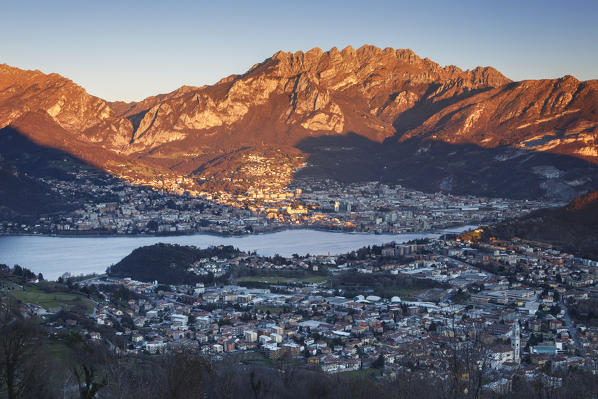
(53,256)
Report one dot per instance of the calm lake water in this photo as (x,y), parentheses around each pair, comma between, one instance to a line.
(53,256)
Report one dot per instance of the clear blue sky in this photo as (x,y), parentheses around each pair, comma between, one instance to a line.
(127,50)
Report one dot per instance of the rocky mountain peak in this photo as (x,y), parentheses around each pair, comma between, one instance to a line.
(293,98)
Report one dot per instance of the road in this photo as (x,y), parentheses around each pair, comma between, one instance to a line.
(572,329)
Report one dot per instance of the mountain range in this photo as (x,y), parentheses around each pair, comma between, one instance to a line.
(350,115)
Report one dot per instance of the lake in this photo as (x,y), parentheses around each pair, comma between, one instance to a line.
(53,256)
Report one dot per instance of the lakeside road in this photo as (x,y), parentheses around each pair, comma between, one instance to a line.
(53,256)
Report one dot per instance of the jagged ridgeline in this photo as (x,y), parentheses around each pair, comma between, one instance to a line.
(353,115)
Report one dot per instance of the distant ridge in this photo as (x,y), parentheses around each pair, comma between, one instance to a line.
(573,227)
(350,114)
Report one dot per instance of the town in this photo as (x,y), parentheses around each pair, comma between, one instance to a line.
(103,204)
(515,309)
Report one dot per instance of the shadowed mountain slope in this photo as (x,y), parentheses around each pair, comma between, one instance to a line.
(402,118)
(573,228)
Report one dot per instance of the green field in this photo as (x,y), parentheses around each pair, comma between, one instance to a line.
(51,300)
(282,279)
(363,373)
(253,359)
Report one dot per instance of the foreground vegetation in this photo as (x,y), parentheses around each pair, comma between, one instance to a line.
(73,368)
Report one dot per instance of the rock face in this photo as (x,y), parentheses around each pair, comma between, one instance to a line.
(292,101)
(305,94)
(67,104)
(557,115)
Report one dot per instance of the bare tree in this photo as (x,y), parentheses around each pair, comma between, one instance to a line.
(256,385)
(469,360)
(19,338)
(88,382)
(226,378)
(185,375)
(287,369)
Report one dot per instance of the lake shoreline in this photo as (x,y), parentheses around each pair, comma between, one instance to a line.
(447,230)
(55,255)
